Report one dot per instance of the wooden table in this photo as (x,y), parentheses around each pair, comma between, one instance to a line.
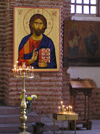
(85,87)
(65,116)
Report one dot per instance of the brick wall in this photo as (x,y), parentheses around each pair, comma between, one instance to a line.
(2,46)
(50,88)
(47,86)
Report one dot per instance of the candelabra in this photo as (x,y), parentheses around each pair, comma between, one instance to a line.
(23,72)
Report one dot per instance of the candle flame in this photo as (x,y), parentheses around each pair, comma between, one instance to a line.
(63,105)
(59,107)
(61,102)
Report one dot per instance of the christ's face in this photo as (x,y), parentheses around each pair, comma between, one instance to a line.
(38,26)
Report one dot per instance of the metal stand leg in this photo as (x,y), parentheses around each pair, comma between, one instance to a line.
(54,127)
(23,116)
(68,126)
(75,128)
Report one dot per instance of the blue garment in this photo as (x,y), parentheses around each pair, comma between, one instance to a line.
(46,42)
(91,44)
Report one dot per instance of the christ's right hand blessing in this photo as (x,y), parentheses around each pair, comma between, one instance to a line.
(34,57)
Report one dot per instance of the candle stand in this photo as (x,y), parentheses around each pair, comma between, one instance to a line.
(23,72)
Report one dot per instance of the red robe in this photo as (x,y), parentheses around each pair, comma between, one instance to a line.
(28,47)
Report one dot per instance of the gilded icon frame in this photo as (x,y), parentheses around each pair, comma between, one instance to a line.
(21,29)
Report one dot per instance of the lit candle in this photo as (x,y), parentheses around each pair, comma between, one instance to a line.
(59,109)
(14,70)
(61,102)
(23,65)
(62,105)
(71,108)
(32,71)
(20,71)
(27,71)
(17,71)
(67,109)
(32,68)
(17,65)
(63,108)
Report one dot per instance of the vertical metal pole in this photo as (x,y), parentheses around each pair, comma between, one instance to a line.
(75,128)
(23,116)
(54,127)
(85,109)
(88,107)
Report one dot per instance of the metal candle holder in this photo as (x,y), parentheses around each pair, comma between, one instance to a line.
(23,72)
